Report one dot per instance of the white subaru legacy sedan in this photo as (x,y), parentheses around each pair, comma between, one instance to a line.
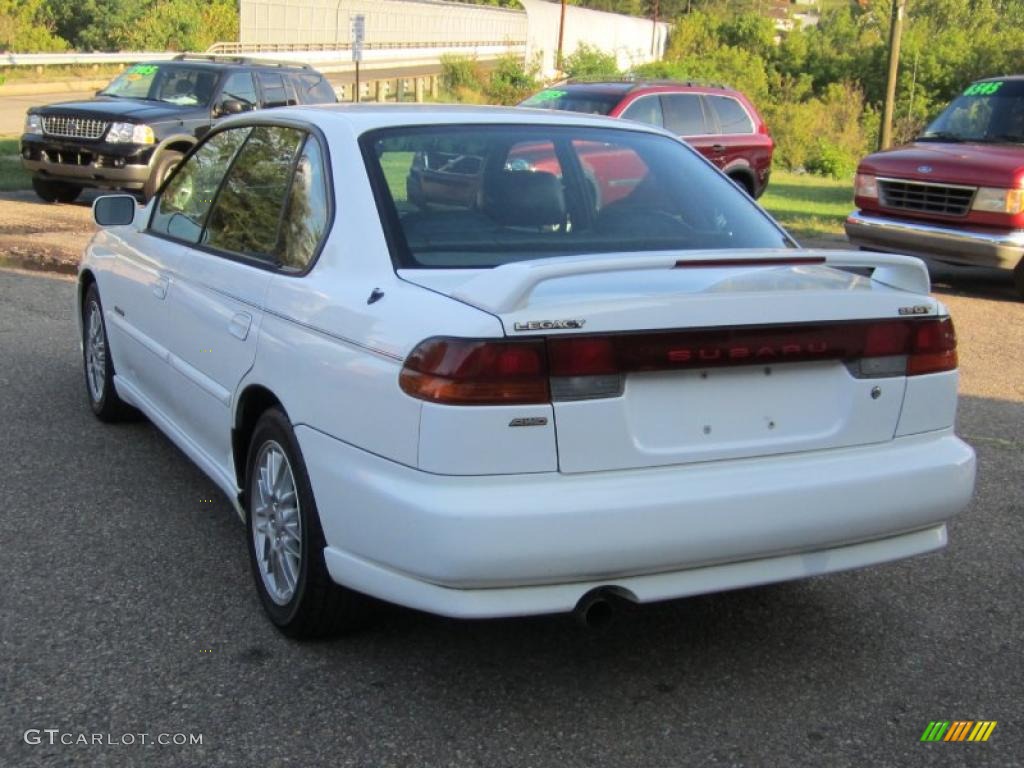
(495,362)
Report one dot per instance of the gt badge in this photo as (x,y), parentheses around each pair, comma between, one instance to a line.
(919,309)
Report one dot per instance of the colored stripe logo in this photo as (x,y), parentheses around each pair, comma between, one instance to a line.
(958,730)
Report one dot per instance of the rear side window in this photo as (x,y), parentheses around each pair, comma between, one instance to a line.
(277,91)
(684,115)
(732,117)
(246,218)
(181,211)
(306,212)
(313,89)
(645,110)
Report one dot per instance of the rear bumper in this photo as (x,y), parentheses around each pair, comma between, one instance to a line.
(523,544)
(958,245)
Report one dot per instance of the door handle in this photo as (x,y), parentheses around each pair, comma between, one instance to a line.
(718,147)
(160,286)
(239,325)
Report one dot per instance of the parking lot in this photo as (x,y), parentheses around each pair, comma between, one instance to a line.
(129,608)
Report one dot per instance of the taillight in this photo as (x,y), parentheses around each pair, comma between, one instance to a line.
(576,367)
(933,347)
(474,372)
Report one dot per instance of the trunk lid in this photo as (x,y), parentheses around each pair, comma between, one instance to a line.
(754,306)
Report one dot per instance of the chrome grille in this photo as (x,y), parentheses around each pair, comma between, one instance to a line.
(925,197)
(74,127)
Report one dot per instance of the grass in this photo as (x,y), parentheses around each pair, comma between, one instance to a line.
(12,176)
(86,72)
(808,206)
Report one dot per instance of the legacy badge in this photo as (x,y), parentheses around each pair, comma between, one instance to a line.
(548,325)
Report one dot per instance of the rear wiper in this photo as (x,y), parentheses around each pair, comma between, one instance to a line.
(941,136)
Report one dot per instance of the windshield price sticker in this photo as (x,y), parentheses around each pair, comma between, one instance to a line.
(143,69)
(546,96)
(983,89)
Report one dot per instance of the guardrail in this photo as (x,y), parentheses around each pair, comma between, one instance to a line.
(72,59)
(311,53)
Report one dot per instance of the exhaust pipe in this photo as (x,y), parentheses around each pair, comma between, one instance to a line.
(594,610)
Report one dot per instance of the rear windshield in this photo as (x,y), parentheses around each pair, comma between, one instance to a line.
(990,111)
(482,196)
(585,101)
(170,83)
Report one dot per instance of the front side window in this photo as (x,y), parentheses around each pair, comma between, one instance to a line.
(463,196)
(246,217)
(239,87)
(181,211)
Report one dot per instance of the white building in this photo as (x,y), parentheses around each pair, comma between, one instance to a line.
(420,24)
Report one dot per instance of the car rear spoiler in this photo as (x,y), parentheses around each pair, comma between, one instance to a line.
(505,288)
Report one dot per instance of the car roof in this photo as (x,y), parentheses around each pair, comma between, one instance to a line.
(366,117)
(630,84)
(221,63)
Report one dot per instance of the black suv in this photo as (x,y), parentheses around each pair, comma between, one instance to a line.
(136,130)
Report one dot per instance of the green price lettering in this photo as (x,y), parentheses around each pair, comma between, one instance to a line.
(546,96)
(983,89)
(143,69)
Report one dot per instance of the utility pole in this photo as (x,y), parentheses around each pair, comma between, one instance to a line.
(654,30)
(895,34)
(561,35)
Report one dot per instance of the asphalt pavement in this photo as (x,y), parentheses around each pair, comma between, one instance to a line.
(127,609)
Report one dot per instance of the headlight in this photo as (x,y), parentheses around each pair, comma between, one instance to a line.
(33,124)
(865,185)
(130,133)
(997,200)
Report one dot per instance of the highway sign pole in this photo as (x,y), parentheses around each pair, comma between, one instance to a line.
(358,36)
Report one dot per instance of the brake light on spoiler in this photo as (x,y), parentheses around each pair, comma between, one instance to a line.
(460,371)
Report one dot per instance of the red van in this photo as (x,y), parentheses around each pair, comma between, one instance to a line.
(956,194)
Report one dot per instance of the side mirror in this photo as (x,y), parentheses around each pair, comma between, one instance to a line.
(230,107)
(114,210)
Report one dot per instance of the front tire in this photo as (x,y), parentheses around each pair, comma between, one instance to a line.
(286,541)
(1018,278)
(164,167)
(97,363)
(55,191)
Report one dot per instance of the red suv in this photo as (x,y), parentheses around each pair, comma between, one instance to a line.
(717,121)
(956,194)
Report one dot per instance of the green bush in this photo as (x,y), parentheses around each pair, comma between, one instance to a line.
(590,61)
(511,81)
(460,72)
(829,159)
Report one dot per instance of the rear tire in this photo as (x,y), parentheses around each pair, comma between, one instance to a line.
(1018,278)
(98,364)
(56,191)
(286,541)
(164,167)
